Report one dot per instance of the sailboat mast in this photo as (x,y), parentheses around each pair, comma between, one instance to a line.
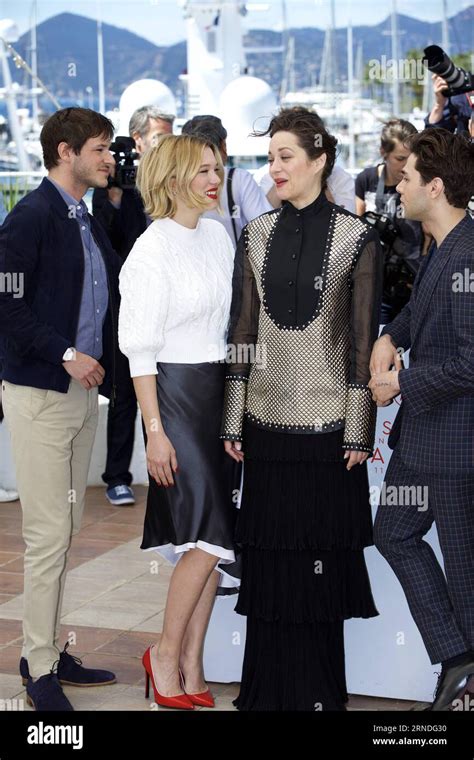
(445,28)
(23,160)
(350,87)
(395,57)
(100,60)
(34,64)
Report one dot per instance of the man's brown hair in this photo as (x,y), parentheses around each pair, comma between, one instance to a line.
(73,126)
(450,157)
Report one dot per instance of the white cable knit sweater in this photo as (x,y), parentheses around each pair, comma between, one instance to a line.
(176,289)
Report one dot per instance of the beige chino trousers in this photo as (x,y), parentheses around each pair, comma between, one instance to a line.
(52,435)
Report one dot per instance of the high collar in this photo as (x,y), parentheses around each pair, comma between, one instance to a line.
(312,208)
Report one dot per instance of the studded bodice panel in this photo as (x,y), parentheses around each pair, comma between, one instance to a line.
(300,382)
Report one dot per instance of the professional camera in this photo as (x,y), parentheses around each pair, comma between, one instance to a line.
(125,155)
(384,225)
(399,270)
(459,81)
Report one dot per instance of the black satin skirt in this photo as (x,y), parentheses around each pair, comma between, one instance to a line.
(200,509)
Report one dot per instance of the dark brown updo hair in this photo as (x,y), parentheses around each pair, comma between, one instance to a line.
(310,133)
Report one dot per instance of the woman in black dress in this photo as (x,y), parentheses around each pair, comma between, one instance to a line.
(307,285)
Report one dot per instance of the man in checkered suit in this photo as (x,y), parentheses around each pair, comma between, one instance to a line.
(433,435)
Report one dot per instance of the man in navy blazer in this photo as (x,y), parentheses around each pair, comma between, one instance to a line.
(59,345)
(433,435)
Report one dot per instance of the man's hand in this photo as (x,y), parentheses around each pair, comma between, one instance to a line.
(440,100)
(384,387)
(384,356)
(86,370)
(115,195)
(439,84)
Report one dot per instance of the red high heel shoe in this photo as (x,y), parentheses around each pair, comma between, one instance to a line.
(203,699)
(180,701)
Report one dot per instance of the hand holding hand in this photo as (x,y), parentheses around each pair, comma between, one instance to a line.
(384,387)
(384,356)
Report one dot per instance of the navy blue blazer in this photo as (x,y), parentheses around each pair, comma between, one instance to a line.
(434,428)
(41,242)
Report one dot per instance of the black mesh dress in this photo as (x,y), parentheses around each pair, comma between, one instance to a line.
(304,518)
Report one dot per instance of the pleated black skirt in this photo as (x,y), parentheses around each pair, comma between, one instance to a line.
(200,509)
(303,524)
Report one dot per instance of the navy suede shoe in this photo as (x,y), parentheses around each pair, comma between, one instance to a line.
(46,694)
(71,672)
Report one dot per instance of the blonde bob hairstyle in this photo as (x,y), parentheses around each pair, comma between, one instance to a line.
(167,170)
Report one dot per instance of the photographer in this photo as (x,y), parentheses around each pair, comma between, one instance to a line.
(378,202)
(453,110)
(120,212)
(453,89)
(451,113)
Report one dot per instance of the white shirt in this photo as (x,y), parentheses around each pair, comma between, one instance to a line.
(176,290)
(249,202)
(340,184)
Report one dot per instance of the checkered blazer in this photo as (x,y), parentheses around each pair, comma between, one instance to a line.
(434,429)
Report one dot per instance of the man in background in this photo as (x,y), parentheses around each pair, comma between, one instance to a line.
(120,212)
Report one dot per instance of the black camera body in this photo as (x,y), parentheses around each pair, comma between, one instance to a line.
(384,225)
(399,272)
(438,62)
(125,156)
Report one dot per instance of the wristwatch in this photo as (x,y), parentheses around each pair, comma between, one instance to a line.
(69,354)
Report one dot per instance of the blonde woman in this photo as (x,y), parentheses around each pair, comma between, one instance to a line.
(176,295)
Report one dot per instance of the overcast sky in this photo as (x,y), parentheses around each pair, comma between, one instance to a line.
(161,22)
